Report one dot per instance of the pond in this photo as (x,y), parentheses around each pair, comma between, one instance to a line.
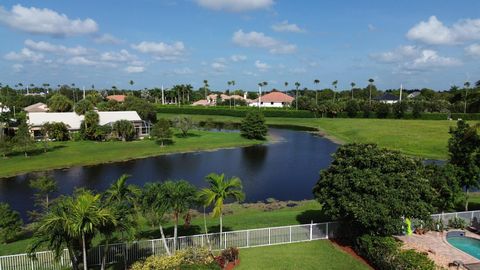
(285,170)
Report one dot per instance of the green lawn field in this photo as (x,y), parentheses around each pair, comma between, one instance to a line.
(422,138)
(321,254)
(67,154)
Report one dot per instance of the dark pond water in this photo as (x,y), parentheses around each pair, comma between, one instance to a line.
(286,170)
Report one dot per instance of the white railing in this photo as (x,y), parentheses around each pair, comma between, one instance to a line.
(142,249)
(470,217)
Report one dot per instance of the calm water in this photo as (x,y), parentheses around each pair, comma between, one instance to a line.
(285,171)
(466,244)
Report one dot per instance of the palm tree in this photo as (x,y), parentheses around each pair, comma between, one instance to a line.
(334,84)
(220,190)
(467,85)
(297,85)
(286,85)
(477,83)
(352,84)
(230,99)
(131,82)
(153,209)
(88,215)
(205,87)
(370,83)
(316,82)
(178,197)
(233,85)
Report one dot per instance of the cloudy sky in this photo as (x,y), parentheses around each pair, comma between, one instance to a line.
(429,43)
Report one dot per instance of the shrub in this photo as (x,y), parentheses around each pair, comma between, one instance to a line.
(382,110)
(161,131)
(183,259)
(352,108)
(10,223)
(183,123)
(417,109)
(457,223)
(238,111)
(385,253)
(399,109)
(57,131)
(253,126)
(124,130)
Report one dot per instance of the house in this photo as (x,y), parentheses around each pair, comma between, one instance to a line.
(37,107)
(212,99)
(36,120)
(273,99)
(414,94)
(387,98)
(4,109)
(118,98)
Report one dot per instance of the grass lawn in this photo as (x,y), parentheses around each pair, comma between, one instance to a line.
(67,154)
(321,254)
(422,138)
(238,217)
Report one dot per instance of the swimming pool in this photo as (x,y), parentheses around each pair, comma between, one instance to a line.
(466,244)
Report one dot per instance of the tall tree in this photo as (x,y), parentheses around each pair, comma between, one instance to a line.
(286,85)
(23,139)
(10,223)
(370,83)
(352,84)
(297,85)
(334,84)
(464,153)
(82,107)
(162,131)
(467,86)
(45,186)
(205,87)
(178,198)
(59,103)
(316,82)
(253,126)
(220,190)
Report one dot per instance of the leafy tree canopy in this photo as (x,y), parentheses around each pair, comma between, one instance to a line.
(253,126)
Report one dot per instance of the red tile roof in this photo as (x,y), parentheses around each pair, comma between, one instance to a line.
(276,97)
(119,98)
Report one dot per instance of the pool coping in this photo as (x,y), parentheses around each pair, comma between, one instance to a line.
(467,234)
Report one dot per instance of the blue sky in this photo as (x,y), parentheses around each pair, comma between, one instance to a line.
(434,43)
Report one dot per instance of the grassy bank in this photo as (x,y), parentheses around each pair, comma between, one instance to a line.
(67,154)
(238,217)
(422,138)
(308,255)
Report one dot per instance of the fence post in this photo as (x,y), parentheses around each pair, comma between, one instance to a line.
(269,236)
(290,227)
(0,264)
(153,247)
(327,229)
(248,242)
(225,240)
(311,230)
(33,268)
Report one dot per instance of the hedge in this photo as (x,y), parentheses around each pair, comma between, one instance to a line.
(385,253)
(290,113)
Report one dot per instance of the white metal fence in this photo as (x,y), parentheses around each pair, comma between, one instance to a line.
(470,217)
(130,252)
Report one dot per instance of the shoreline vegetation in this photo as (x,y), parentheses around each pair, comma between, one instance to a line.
(420,138)
(87,153)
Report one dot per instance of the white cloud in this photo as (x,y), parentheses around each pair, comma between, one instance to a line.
(371,27)
(45,21)
(298,70)
(122,56)
(260,40)
(435,32)
(218,66)
(238,58)
(81,61)
(134,69)
(431,59)
(235,5)
(161,50)
(17,67)
(399,54)
(473,50)
(108,39)
(43,46)
(287,27)
(25,55)
(183,71)
(261,66)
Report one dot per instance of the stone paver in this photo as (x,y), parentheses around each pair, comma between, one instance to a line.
(437,247)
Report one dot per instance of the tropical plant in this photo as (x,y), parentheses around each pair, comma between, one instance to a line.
(59,103)
(56,131)
(178,198)
(316,82)
(45,186)
(184,123)
(23,138)
(352,84)
(10,223)
(89,125)
(297,85)
(162,131)
(370,83)
(219,191)
(124,130)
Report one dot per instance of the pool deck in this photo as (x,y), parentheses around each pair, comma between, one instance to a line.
(438,249)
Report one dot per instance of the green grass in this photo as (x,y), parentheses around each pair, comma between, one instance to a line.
(67,154)
(421,138)
(313,255)
(237,217)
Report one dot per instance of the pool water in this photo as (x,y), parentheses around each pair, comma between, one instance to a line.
(466,244)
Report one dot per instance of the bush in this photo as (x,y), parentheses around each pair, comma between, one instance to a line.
(57,131)
(237,111)
(253,126)
(161,131)
(183,123)
(457,223)
(10,223)
(183,259)
(124,130)
(399,109)
(385,253)
(383,110)
(352,108)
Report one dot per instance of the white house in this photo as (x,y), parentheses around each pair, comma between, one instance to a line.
(4,109)
(273,99)
(388,98)
(36,120)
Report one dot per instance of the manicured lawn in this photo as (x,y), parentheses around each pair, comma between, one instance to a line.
(321,254)
(238,217)
(67,154)
(422,138)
